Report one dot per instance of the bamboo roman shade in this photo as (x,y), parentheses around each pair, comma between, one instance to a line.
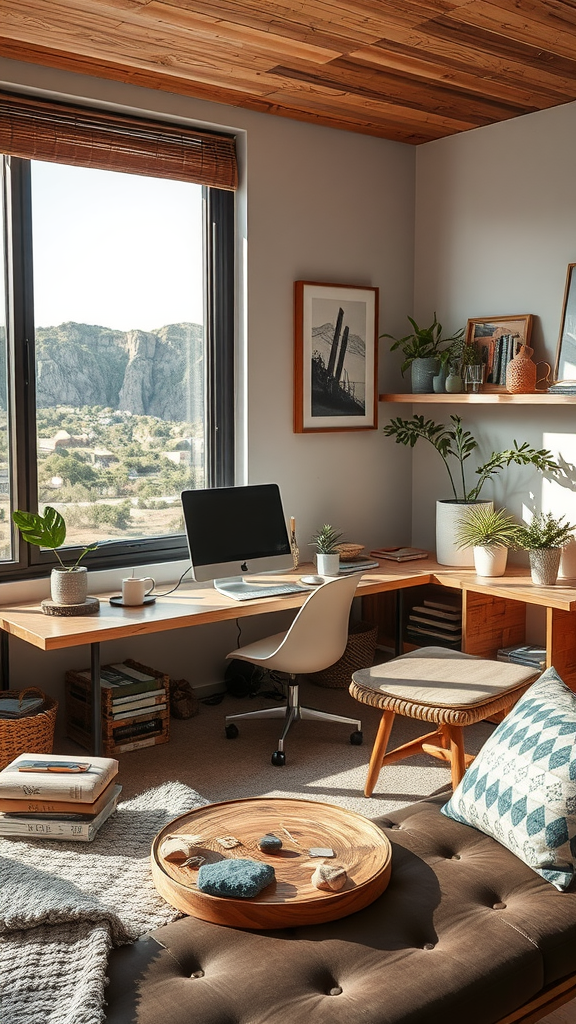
(37,129)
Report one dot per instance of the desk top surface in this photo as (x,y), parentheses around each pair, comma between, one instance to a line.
(195,604)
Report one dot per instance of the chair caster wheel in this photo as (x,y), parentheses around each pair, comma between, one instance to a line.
(356,738)
(278,758)
(231,732)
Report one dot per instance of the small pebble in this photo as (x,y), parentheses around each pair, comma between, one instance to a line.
(176,849)
(331,877)
(229,842)
(270,843)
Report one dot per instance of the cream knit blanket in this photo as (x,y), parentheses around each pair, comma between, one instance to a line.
(63,905)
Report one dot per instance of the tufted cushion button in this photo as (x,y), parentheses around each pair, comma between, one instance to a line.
(395,826)
(456,856)
(499,906)
(197,974)
(336,991)
(428,945)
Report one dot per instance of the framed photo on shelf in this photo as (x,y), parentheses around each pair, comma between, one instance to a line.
(565,368)
(498,339)
(335,357)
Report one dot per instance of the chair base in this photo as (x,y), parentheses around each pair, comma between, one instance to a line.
(291,712)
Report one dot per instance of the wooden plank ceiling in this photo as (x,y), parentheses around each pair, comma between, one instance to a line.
(407,70)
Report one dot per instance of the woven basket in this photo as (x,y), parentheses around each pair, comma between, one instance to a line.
(32,734)
(359,653)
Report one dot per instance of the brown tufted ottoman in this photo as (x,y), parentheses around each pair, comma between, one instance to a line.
(464,934)
(442,686)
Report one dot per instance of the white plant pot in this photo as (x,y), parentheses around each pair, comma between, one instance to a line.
(544,565)
(567,569)
(490,561)
(69,586)
(328,565)
(448,515)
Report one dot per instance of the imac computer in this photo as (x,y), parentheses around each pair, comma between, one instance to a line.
(236,530)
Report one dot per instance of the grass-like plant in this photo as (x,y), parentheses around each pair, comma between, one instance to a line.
(486,527)
(455,443)
(544,531)
(325,540)
(47,531)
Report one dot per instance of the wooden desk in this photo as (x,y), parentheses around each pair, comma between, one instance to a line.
(493,616)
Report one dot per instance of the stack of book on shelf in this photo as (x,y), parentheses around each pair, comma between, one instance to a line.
(524,654)
(399,554)
(435,623)
(135,707)
(562,387)
(53,796)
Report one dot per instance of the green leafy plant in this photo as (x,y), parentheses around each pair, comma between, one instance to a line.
(325,540)
(422,343)
(486,527)
(544,531)
(47,531)
(453,442)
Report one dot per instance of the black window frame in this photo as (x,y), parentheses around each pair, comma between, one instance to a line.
(219,283)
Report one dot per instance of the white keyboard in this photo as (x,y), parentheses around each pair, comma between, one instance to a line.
(251,593)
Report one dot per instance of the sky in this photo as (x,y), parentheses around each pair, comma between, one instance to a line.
(116,250)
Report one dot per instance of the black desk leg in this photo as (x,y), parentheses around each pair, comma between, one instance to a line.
(4,660)
(96,699)
(399,623)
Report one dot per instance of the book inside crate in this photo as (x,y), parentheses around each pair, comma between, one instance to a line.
(135,703)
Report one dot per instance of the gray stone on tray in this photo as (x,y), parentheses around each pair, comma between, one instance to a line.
(241,878)
(331,877)
(270,843)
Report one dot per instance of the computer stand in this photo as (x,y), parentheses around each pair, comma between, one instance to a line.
(292,711)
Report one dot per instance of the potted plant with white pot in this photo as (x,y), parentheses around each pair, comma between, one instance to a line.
(68,583)
(455,446)
(543,538)
(325,540)
(422,350)
(490,533)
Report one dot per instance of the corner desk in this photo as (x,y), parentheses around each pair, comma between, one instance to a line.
(493,616)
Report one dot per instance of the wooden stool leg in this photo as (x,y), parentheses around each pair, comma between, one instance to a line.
(455,735)
(378,750)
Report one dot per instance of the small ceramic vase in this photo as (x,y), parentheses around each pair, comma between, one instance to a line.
(454,383)
(422,373)
(522,372)
(439,381)
(328,565)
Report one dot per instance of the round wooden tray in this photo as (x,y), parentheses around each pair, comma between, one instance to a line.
(291,900)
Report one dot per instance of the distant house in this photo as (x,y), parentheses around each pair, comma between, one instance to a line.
(62,439)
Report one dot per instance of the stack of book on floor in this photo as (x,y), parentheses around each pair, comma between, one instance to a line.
(435,623)
(54,796)
(524,654)
(135,707)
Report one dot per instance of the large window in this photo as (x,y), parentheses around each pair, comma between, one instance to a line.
(116,356)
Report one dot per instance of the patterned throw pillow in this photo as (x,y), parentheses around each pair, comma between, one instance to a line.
(521,788)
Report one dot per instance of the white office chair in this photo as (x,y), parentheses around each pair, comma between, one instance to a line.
(316,639)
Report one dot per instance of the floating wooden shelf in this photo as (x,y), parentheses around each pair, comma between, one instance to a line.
(482,398)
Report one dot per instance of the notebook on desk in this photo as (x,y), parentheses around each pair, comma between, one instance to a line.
(399,554)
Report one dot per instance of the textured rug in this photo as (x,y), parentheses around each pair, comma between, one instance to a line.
(64,905)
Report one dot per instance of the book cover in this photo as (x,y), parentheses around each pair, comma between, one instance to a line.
(436,624)
(122,679)
(149,741)
(13,707)
(119,716)
(443,606)
(400,554)
(59,807)
(40,828)
(437,613)
(422,631)
(358,566)
(131,731)
(82,786)
(134,700)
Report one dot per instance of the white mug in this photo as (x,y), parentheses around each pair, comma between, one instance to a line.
(134,590)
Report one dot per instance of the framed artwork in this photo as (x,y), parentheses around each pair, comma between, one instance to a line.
(498,339)
(565,368)
(335,357)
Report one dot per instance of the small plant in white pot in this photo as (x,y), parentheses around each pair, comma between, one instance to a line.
(68,583)
(325,540)
(543,538)
(489,532)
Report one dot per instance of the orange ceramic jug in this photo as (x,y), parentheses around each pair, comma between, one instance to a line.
(522,371)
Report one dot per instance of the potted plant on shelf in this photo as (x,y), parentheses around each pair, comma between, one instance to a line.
(456,444)
(68,583)
(325,540)
(490,533)
(421,350)
(543,538)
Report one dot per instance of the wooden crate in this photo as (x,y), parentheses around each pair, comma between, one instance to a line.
(119,735)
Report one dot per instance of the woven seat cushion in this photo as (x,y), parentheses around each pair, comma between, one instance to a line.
(442,678)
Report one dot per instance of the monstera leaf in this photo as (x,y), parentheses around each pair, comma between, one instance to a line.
(47,531)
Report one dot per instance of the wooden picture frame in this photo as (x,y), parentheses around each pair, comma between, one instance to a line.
(335,357)
(498,339)
(565,366)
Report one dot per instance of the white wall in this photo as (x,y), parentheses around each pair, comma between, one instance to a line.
(316,204)
(495,232)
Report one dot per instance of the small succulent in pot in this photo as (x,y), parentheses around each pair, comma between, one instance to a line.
(482,526)
(325,540)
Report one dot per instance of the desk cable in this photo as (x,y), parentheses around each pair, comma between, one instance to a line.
(166,592)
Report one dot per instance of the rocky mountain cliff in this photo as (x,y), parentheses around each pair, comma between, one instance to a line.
(156,373)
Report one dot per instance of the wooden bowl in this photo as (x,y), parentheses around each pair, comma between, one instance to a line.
(348,552)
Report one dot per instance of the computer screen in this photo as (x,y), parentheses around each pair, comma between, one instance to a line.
(234,531)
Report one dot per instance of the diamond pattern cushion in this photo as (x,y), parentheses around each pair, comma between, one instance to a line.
(521,788)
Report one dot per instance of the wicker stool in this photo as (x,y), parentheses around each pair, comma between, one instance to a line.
(436,684)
